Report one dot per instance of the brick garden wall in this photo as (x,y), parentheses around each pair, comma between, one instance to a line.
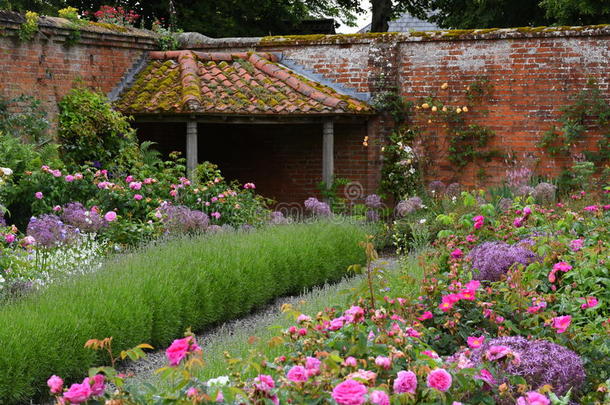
(533,72)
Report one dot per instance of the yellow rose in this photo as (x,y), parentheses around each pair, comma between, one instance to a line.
(425,106)
(465,109)
(444,86)
(434,109)
(459,110)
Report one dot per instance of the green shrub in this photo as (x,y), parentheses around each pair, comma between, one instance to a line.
(154,294)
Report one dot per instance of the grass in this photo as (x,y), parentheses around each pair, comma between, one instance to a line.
(154,294)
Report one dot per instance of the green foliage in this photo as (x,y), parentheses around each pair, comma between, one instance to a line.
(589,110)
(167,39)
(331,193)
(577,12)
(29,123)
(467,144)
(29,28)
(154,294)
(90,130)
(75,24)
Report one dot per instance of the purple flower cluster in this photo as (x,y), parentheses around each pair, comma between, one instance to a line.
(278,218)
(437,187)
(77,215)
(373,201)
(453,190)
(545,192)
(49,230)
(317,208)
(181,219)
(409,206)
(518,177)
(491,260)
(540,362)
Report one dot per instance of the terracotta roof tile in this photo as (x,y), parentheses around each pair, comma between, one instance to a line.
(238,83)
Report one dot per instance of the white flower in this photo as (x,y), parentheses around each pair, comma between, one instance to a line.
(218,381)
(412,170)
(6,171)
(422,221)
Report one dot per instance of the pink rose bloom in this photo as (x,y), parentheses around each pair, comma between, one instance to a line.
(173,193)
(479,220)
(527,212)
(473,285)
(466,294)
(148,180)
(383,362)
(312,365)
(28,240)
(406,381)
(336,323)
(98,386)
(69,178)
(366,375)
(607,207)
(590,302)
(180,348)
(129,179)
(78,176)
(457,253)
(474,342)
(302,332)
(56,173)
(55,384)
(9,238)
(303,318)
(439,379)
(561,323)
(78,393)
(430,353)
(497,352)
(350,362)
(518,222)
(192,392)
(533,398)
(297,374)
(135,185)
(591,208)
(264,383)
(38,195)
(445,306)
(577,244)
(471,238)
(214,199)
(562,266)
(292,329)
(110,216)
(379,398)
(137,197)
(215,215)
(486,376)
(425,315)
(412,333)
(57,208)
(350,392)
(354,314)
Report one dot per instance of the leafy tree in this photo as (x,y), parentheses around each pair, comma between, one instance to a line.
(577,12)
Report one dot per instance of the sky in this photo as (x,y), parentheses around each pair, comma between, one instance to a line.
(363,20)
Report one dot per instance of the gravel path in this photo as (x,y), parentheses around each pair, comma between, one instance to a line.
(266,316)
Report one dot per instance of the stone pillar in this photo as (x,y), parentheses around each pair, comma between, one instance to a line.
(191,147)
(327,152)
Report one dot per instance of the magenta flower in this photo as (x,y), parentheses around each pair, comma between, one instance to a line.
(479,220)
(591,208)
(297,374)
(349,392)
(561,323)
(98,386)
(354,315)
(497,352)
(379,398)
(215,215)
(430,353)
(9,238)
(457,253)
(562,266)
(78,393)
(38,195)
(264,383)
(533,398)
(137,197)
(439,379)
(249,186)
(426,315)
(135,185)
(486,376)
(350,362)
(518,222)
(55,384)
(110,216)
(312,365)
(336,323)
(406,381)
(577,244)
(303,318)
(180,348)
(475,342)
(69,178)
(383,362)
(590,302)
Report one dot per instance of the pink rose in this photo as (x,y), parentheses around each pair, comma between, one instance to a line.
(297,374)
(474,342)
(590,302)
(215,215)
(350,362)
(98,386)
(129,179)
(518,222)
(486,376)
(457,253)
(69,178)
(264,383)
(78,393)
(38,195)
(379,398)
(439,379)
(9,238)
(336,323)
(383,362)
(312,365)
(577,244)
(55,384)
(430,353)
(497,352)
(591,208)
(561,323)
(562,266)
(110,216)
(354,314)
(180,348)
(303,318)
(533,398)
(350,392)
(406,381)
(135,185)
(471,238)
(425,315)
(137,197)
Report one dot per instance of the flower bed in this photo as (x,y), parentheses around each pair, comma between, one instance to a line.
(154,294)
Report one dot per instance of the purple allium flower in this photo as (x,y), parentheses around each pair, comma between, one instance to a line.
(453,190)
(85,220)
(525,191)
(372,216)
(491,260)
(215,229)
(181,219)
(540,362)
(317,208)
(373,201)
(505,204)
(277,218)
(545,192)
(49,230)
(409,206)
(437,187)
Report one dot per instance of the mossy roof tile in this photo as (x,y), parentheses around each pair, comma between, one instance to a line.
(189,82)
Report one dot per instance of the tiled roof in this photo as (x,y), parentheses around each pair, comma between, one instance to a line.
(189,82)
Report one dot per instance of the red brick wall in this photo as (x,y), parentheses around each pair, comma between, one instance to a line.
(47,68)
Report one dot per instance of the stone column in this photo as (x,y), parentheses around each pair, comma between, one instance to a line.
(327,152)
(191,147)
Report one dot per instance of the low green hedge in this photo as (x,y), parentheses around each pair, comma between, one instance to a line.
(154,294)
